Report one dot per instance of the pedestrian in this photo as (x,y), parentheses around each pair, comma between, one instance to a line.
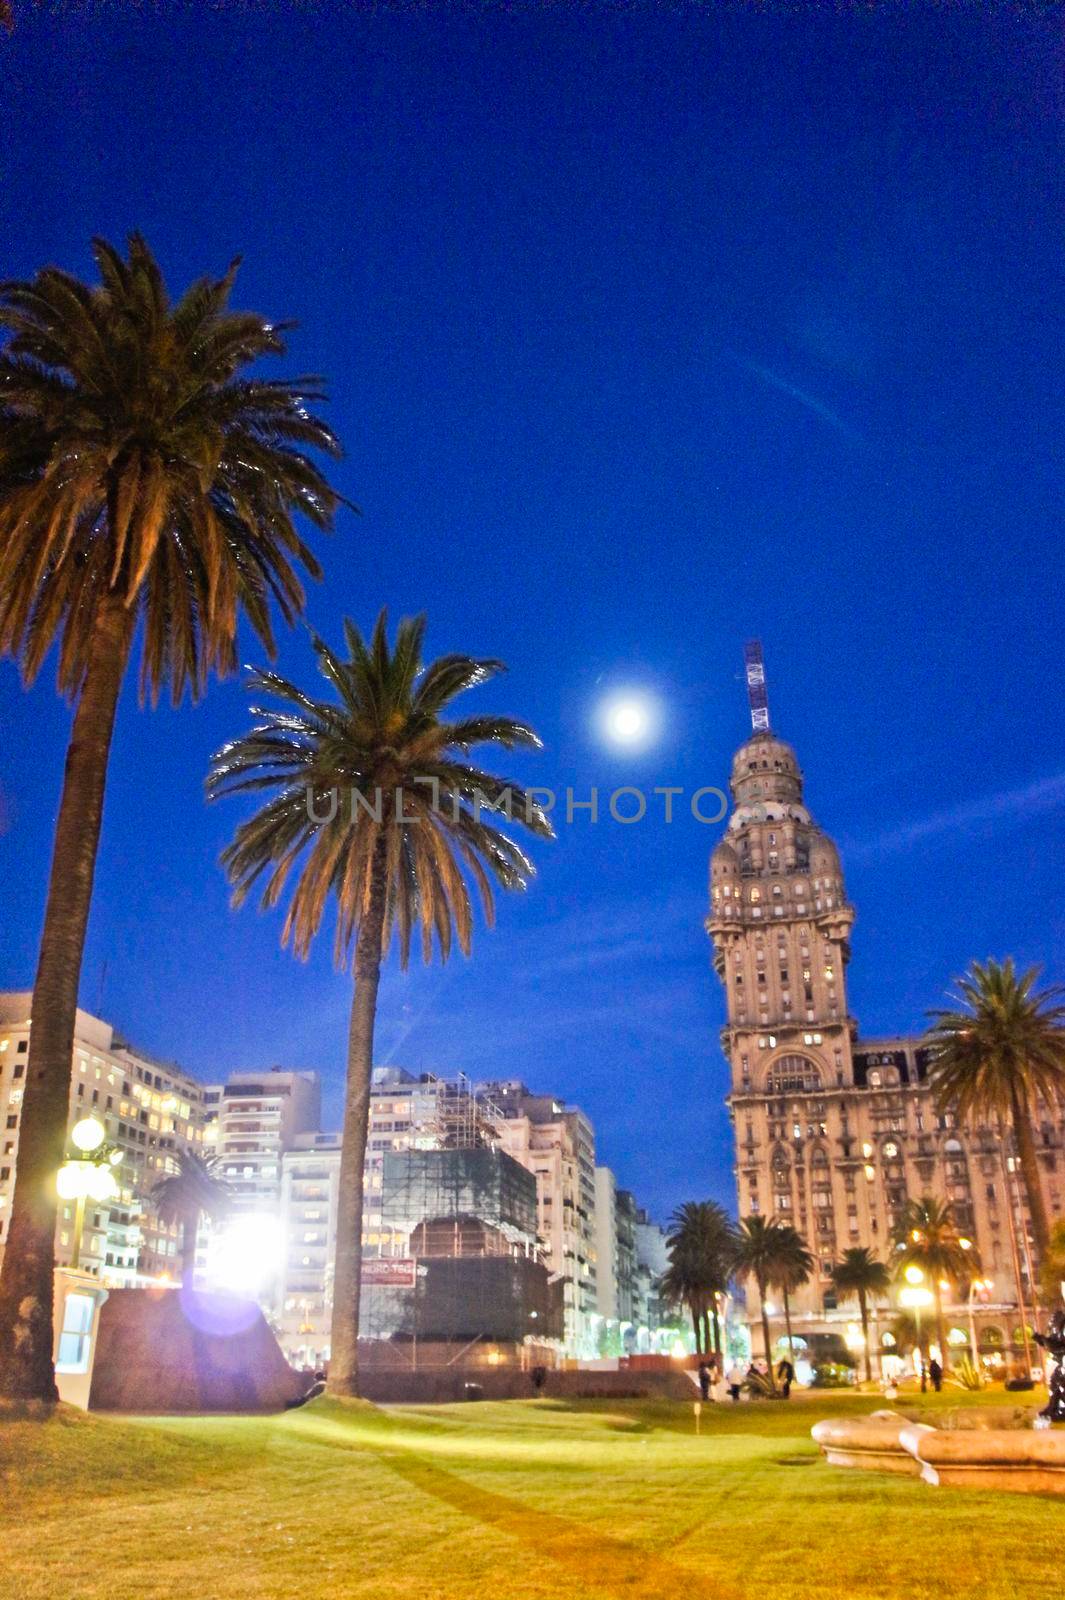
(735,1380)
(704,1380)
(539,1378)
(935,1372)
(786,1374)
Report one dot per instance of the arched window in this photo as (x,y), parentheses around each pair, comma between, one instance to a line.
(793,1075)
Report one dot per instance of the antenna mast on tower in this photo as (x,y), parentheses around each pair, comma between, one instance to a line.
(756,693)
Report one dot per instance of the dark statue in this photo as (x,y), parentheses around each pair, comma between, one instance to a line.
(1053,1342)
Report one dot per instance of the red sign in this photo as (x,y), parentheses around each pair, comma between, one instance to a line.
(397,1272)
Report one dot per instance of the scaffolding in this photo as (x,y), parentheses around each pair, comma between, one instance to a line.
(453,1114)
(465,1216)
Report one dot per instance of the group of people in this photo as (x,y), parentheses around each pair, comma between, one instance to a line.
(716,1384)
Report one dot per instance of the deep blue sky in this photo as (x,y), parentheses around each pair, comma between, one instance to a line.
(645,333)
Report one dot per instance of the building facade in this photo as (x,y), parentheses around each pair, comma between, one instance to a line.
(151,1111)
(310,1178)
(556,1143)
(834,1133)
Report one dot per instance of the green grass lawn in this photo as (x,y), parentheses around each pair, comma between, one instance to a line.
(531,1499)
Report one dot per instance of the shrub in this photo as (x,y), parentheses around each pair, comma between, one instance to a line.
(832,1375)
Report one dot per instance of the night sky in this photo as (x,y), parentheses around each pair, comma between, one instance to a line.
(646,332)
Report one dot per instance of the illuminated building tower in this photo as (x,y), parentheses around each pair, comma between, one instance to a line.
(834,1133)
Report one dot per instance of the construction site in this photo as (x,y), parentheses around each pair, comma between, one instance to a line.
(461,1286)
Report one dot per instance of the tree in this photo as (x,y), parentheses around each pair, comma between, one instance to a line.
(373,804)
(1052,1275)
(859,1275)
(702,1244)
(187,1195)
(757,1254)
(996,1055)
(926,1237)
(791,1267)
(144,484)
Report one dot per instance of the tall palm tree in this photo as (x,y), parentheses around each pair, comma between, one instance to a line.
(186,1196)
(995,1054)
(859,1275)
(926,1236)
(792,1266)
(1053,1271)
(375,804)
(702,1244)
(144,483)
(756,1256)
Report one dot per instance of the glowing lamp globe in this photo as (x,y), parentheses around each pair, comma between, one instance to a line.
(913,1275)
(69,1180)
(100,1183)
(88,1134)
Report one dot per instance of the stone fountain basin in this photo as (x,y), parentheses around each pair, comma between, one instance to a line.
(1028,1461)
(873,1443)
(980,1448)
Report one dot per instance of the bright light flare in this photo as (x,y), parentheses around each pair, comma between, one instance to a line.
(629,719)
(247,1254)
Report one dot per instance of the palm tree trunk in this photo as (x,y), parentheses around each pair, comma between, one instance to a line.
(765,1335)
(863,1312)
(697,1325)
(26,1282)
(344,1340)
(787,1325)
(717,1327)
(1029,1164)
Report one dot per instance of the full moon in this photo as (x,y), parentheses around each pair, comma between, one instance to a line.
(628,719)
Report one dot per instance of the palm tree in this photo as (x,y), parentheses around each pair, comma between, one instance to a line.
(859,1275)
(926,1237)
(184,1196)
(996,1054)
(702,1243)
(1053,1271)
(683,1284)
(374,796)
(792,1266)
(144,483)
(756,1256)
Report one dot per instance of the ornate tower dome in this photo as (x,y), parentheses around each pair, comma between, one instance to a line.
(779,920)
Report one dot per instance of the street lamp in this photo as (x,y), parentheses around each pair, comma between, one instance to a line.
(977,1285)
(914,1296)
(87,1175)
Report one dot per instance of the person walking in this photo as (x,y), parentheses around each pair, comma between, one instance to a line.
(935,1372)
(786,1374)
(704,1380)
(735,1380)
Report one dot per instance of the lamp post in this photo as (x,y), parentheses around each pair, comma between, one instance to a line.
(914,1296)
(87,1175)
(975,1285)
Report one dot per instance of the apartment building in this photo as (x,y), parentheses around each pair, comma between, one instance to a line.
(151,1111)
